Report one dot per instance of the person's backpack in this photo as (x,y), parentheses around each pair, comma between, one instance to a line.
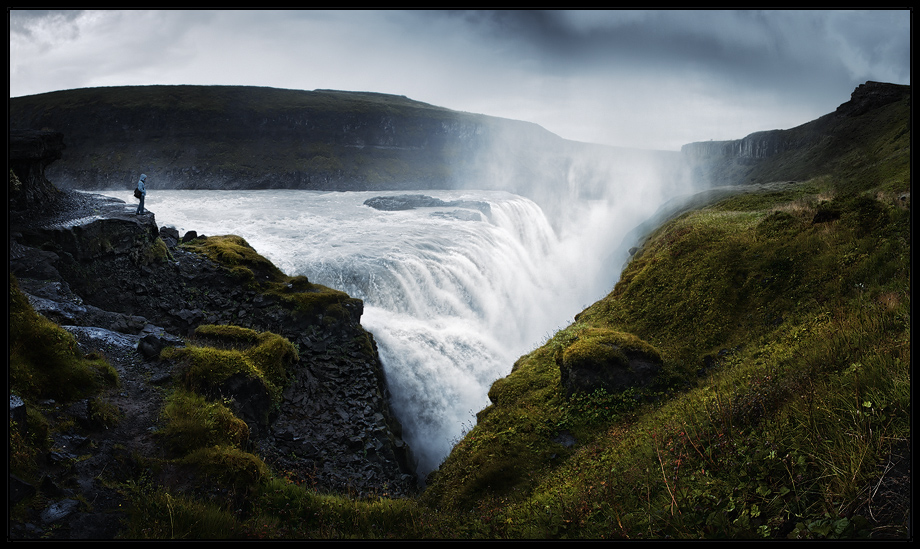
(137,193)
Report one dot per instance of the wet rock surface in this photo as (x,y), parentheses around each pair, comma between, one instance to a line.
(413,201)
(85,262)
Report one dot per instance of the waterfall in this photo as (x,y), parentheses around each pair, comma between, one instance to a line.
(451,313)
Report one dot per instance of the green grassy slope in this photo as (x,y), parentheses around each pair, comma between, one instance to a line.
(783,318)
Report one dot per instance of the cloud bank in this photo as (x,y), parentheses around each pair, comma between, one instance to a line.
(648,79)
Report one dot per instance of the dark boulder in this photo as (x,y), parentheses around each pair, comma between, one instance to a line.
(19,489)
(170,236)
(150,346)
(413,201)
(250,400)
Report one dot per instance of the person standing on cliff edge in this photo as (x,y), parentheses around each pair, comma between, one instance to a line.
(141,193)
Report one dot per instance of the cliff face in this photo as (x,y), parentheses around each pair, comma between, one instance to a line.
(755,146)
(231,137)
(193,137)
(800,152)
(123,275)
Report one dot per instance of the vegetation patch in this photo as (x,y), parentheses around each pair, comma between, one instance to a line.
(192,422)
(45,360)
(156,252)
(262,358)
(28,440)
(228,468)
(255,271)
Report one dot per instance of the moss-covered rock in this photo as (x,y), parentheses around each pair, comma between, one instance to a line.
(236,254)
(607,359)
(192,422)
(332,307)
(246,367)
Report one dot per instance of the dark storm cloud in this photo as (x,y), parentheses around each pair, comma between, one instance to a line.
(801,49)
(806,60)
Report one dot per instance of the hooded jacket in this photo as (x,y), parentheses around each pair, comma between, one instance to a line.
(140,185)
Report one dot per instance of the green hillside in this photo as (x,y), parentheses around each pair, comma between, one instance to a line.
(837,143)
(783,318)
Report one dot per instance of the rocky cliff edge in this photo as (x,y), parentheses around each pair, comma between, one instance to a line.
(127,289)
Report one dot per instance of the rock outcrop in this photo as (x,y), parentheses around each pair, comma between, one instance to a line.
(127,279)
(29,153)
(413,201)
(871,95)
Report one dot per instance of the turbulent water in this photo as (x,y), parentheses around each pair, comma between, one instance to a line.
(453,296)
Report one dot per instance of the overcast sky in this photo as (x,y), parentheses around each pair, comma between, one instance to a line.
(647,79)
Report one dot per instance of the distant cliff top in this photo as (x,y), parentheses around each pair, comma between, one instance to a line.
(811,149)
(246,137)
(872,95)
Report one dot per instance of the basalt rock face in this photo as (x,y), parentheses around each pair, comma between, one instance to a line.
(95,266)
(752,147)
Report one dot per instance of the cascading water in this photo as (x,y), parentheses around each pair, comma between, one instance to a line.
(453,296)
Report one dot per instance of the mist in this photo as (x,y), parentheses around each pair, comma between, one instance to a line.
(593,196)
